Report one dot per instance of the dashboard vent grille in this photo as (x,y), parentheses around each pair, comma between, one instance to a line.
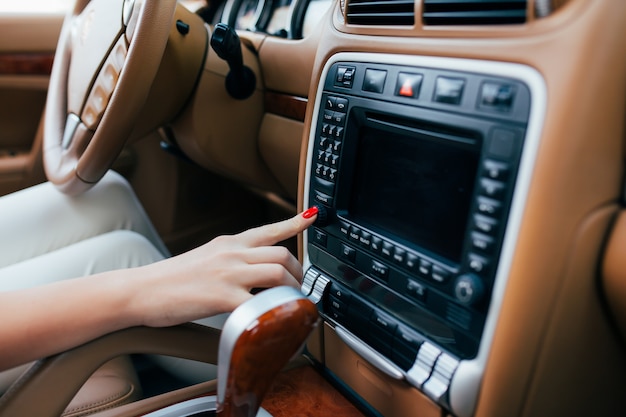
(381,12)
(474,12)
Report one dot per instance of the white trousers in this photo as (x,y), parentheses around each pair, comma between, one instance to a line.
(46,236)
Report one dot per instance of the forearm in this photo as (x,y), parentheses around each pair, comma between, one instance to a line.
(52,318)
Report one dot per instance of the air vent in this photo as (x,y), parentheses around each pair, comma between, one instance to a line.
(381,12)
(474,12)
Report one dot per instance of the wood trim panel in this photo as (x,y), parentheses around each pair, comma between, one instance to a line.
(286,105)
(303,391)
(26,63)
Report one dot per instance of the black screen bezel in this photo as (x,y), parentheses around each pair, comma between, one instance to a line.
(359,121)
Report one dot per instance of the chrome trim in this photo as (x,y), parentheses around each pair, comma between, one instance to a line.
(376,359)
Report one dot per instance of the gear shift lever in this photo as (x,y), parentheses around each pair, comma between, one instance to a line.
(257,340)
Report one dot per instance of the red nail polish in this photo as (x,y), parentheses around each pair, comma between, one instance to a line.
(310,212)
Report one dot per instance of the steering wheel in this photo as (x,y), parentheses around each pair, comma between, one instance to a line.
(108,55)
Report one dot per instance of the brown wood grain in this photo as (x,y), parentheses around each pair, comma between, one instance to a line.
(291,107)
(303,392)
(26,63)
(261,352)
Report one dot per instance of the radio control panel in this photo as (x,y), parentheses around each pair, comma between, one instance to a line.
(415,168)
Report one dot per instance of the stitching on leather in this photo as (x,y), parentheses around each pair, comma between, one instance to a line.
(105,404)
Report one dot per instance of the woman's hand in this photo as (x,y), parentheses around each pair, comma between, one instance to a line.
(219,275)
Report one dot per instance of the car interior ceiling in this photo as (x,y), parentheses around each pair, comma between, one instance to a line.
(467,160)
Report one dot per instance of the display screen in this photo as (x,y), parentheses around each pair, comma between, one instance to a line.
(415,186)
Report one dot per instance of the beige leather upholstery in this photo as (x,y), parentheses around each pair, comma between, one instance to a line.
(73,367)
(114,384)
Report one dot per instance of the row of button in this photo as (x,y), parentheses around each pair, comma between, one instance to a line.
(426,366)
(328,148)
(379,330)
(395,254)
(487,219)
(449,90)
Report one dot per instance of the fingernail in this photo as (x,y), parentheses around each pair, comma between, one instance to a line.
(310,212)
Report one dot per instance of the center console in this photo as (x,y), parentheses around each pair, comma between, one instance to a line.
(419,167)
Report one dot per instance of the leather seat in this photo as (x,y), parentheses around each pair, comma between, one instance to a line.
(115,383)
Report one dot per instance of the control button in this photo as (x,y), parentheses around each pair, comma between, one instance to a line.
(337,305)
(354,233)
(374,80)
(318,288)
(449,90)
(387,250)
(408,85)
(336,147)
(331,103)
(341,104)
(332,174)
(485,224)
(320,237)
(416,290)
(348,253)
(338,133)
(482,242)
(421,370)
(326,187)
(495,170)
(412,261)
(399,255)
(497,96)
(340,293)
(424,268)
(478,263)
(325,128)
(438,384)
(323,143)
(339,118)
(440,275)
(365,239)
(491,188)
(488,206)
(376,244)
(344,227)
(345,76)
(308,281)
(468,289)
(384,323)
(328,116)
(502,143)
(323,198)
(379,270)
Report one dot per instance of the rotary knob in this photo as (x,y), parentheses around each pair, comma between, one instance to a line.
(469,289)
(322,216)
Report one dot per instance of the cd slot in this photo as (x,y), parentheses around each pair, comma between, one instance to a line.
(423,129)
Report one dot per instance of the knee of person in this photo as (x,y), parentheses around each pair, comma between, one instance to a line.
(135,247)
(114,188)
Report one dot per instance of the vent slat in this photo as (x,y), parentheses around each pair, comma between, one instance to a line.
(381,12)
(474,12)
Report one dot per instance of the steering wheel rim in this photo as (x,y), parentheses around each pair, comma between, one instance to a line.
(107,57)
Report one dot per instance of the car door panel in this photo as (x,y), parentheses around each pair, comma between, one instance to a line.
(27,49)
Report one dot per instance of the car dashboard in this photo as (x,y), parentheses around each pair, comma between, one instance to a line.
(467,161)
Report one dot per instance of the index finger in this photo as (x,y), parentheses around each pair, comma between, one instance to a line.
(273,233)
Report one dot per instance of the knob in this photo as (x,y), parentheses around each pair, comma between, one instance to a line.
(240,81)
(469,289)
(322,216)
